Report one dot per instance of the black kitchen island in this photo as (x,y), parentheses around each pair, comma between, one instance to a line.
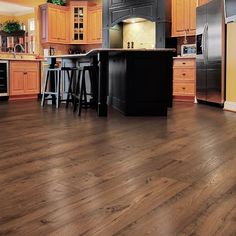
(138,82)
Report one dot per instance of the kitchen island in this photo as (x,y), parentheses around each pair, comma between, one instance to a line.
(137,81)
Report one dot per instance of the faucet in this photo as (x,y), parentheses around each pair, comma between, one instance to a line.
(14,50)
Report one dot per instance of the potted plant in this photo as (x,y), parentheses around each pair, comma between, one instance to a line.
(11,26)
(57,2)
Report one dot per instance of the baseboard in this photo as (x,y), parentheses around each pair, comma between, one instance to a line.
(183,98)
(230,106)
(23,97)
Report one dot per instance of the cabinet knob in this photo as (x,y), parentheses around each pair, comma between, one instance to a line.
(25,73)
(183,88)
(184,74)
(184,63)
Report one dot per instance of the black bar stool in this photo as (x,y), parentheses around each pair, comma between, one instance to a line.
(81,95)
(56,74)
(71,74)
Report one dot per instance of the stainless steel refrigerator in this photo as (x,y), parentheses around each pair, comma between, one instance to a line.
(210,62)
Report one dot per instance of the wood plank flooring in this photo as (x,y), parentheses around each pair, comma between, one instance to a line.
(121,176)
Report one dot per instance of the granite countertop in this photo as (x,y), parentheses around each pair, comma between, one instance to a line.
(185,57)
(113,50)
(20,59)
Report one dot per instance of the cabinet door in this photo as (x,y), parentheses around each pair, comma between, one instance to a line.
(17,82)
(79,25)
(99,24)
(62,26)
(31,82)
(179,18)
(192,5)
(95,26)
(92,26)
(52,25)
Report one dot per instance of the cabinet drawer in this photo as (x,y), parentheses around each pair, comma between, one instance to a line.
(184,73)
(184,88)
(24,65)
(184,63)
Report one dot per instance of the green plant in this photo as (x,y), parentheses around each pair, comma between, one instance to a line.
(57,2)
(11,26)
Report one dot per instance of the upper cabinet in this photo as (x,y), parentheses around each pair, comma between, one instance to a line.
(54,24)
(95,25)
(184,17)
(79,22)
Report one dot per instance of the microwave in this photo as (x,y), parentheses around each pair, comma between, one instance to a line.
(188,50)
(230,11)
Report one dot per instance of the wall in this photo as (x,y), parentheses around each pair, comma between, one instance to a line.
(143,34)
(5,18)
(22,19)
(230,103)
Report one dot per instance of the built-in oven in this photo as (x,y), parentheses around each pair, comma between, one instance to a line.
(4,90)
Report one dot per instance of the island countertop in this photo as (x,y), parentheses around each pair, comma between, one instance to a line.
(111,50)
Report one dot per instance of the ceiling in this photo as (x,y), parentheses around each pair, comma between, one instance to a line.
(26,3)
(7,8)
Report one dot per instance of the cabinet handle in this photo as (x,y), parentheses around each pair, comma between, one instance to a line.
(183,88)
(184,74)
(184,63)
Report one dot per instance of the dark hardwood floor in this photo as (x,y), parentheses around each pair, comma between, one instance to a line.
(136,176)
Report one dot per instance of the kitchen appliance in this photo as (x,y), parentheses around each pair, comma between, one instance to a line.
(230,11)
(3,78)
(188,50)
(210,58)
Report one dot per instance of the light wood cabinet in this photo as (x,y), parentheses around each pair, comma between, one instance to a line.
(95,25)
(184,17)
(202,2)
(24,79)
(54,24)
(184,79)
(79,22)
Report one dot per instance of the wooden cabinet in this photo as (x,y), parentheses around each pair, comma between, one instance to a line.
(79,22)
(95,25)
(184,17)
(184,79)
(54,24)
(24,79)
(202,2)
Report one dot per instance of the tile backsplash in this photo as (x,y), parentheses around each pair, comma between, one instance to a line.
(142,34)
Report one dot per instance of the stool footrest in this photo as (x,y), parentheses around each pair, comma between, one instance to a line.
(50,93)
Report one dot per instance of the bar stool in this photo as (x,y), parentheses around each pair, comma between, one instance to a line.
(72,84)
(80,95)
(56,74)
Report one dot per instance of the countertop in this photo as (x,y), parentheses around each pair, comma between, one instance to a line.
(185,57)
(20,59)
(90,53)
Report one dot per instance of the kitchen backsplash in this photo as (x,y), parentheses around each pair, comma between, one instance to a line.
(142,34)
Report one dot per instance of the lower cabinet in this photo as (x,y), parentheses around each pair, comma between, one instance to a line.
(24,79)
(184,79)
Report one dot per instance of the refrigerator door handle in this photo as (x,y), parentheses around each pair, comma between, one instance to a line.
(204,43)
